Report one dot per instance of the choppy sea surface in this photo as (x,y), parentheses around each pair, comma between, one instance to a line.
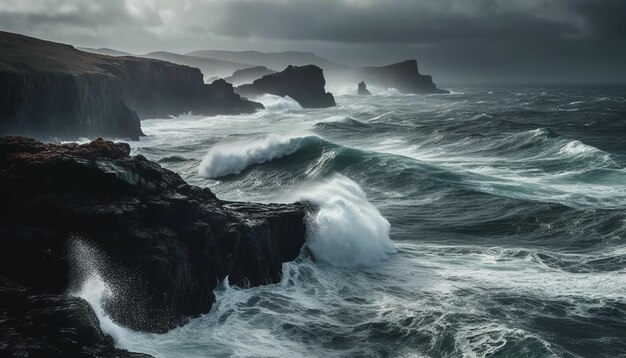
(490,222)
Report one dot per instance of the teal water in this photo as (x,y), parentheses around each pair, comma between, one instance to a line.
(488,222)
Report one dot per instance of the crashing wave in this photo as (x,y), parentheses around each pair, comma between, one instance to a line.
(233,158)
(347,231)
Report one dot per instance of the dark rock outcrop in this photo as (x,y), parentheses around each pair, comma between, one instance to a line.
(165,244)
(305,84)
(50,89)
(403,76)
(362,90)
(51,325)
(248,75)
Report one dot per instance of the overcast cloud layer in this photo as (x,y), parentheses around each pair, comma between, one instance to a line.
(455,40)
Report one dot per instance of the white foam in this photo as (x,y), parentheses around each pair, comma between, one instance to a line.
(277,103)
(232,158)
(347,231)
(578,148)
(93,289)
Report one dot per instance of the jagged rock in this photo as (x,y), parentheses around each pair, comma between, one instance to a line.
(248,75)
(49,325)
(403,76)
(50,89)
(362,90)
(305,84)
(165,244)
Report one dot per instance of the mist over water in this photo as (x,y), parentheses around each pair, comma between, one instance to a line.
(484,222)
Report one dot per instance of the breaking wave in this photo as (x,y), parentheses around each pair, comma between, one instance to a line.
(347,231)
(233,158)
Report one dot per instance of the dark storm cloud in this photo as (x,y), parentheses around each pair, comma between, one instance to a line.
(479,39)
(392,21)
(606,17)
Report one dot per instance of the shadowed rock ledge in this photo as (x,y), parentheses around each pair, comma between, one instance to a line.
(165,244)
(305,84)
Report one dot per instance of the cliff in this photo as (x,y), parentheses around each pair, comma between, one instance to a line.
(305,84)
(50,89)
(165,244)
(403,76)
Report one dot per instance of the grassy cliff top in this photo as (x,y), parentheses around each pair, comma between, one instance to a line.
(21,53)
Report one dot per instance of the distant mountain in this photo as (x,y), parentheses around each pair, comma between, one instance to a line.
(276,60)
(105,51)
(210,67)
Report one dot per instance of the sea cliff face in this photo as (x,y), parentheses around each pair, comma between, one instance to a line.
(65,105)
(165,245)
(305,84)
(50,89)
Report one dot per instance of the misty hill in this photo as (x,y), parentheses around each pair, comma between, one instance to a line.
(53,89)
(105,51)
(248,75)
(276,60)
(403,76)
(209,67)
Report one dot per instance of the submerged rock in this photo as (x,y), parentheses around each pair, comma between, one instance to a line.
(51,89)
(305,84)
(362,90)
(165,244)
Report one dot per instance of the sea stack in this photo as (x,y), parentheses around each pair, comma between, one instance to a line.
(403,76)
(305,84)
(362,90)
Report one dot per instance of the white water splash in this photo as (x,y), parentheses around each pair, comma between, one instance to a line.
(347,231)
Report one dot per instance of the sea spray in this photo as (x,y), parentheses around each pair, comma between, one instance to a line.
(277,103)
(86,264)
(232,158)
(347,231)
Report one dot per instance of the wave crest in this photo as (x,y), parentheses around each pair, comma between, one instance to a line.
(233,158)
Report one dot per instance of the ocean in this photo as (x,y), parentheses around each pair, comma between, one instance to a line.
(490,222)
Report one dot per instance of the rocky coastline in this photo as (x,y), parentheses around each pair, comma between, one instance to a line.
(165,245)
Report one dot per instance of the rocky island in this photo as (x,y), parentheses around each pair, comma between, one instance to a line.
(305,84)
(403,76)
(165,244)
(49,89)
(362,89)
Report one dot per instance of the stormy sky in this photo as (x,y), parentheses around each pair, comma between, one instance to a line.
(454,40)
